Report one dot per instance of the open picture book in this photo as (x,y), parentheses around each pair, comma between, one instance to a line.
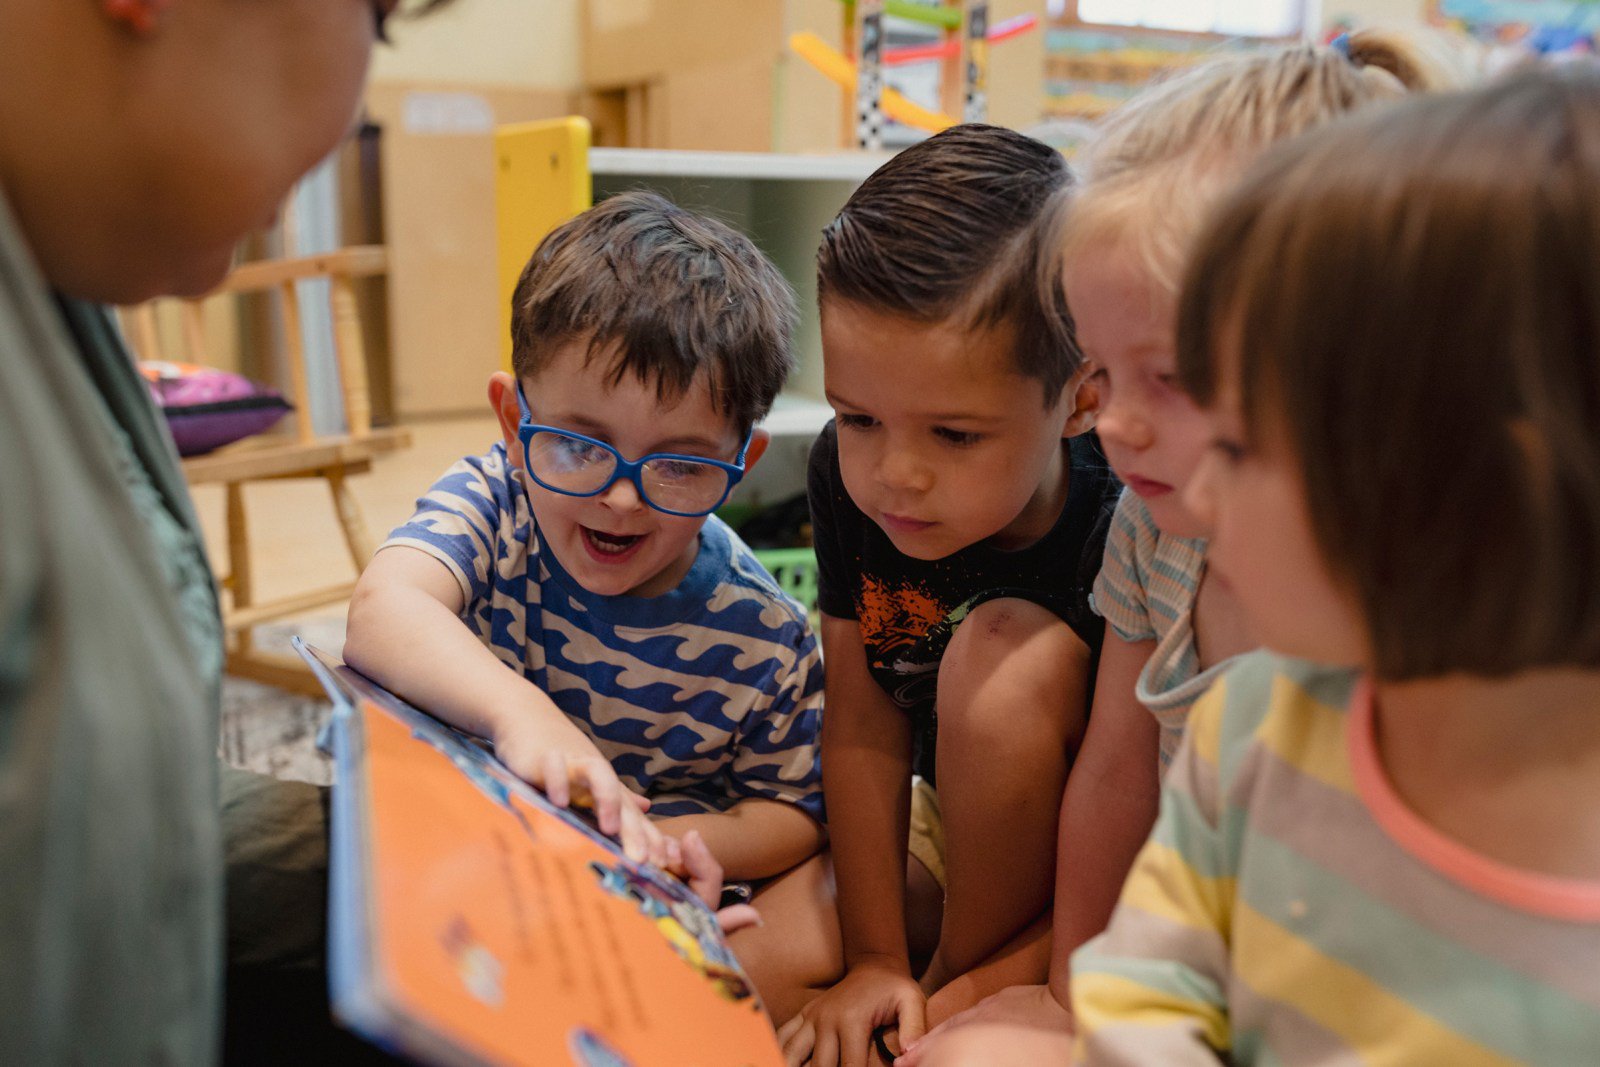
(473,922)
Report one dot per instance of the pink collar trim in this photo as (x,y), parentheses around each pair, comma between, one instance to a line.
(1566,899)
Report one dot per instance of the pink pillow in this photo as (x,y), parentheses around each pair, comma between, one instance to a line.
(209,408)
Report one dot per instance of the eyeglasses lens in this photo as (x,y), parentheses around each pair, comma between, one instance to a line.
(568,464)
(572,465)
(683,485)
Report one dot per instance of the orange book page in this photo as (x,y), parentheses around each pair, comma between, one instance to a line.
(525,941)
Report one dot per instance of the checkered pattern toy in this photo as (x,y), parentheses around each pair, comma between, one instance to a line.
(869,78)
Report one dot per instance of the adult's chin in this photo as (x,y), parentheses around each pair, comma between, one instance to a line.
(140,276)
(197,274)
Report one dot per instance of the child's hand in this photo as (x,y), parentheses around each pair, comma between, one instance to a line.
(590,782)
(585,778)
(692,861)
(835,1030)
(1032,1006)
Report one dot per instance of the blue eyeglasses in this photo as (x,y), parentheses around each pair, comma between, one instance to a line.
(574,465)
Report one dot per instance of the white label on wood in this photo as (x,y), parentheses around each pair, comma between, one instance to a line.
(446,113)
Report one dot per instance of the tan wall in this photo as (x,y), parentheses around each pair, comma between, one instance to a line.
(1367,12)
(499,60)
(1016,68)
(439,223)
(531,43)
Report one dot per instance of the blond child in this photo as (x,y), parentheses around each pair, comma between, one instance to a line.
(1159,164)
(1393,859)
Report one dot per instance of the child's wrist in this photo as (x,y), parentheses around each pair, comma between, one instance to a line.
(881,960)
(531,729)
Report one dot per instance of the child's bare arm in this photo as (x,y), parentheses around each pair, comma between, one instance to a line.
(866,772)
(1107,810)
(1108,807)
(866,742)
(405,632)
(1016,965)
(1125,1010)
(756,838)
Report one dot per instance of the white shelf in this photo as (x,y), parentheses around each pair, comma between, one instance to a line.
(747,166)
(796,416)
(794,423)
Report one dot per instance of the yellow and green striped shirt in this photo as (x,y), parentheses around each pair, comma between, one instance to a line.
(1289,909)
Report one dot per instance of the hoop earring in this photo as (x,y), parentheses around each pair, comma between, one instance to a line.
(138,15)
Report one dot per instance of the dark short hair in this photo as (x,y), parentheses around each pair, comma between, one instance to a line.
(1411,301)
(667,295)
(953,228)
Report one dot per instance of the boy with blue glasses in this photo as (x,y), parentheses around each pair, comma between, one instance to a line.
(655,665)
(570,463)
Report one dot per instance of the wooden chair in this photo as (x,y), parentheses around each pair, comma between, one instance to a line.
(298,453)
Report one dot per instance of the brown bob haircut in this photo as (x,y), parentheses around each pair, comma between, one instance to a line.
(1410,301)
(952,228)
(665,295)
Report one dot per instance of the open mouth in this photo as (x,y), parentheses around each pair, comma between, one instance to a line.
(610,546)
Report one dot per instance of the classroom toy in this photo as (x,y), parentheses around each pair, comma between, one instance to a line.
(858,70)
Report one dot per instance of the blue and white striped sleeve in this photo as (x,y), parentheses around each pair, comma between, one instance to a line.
(780,743)
(457,522)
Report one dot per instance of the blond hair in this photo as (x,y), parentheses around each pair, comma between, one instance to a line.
(1161,160)
(1422,58)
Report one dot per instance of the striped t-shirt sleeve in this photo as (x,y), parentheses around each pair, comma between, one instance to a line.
(778,756)
(1152,988)
(1120,591)
(457,521)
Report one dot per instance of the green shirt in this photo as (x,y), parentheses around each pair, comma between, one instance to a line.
(110,653)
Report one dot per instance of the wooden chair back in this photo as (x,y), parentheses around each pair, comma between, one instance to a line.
(299,453)
(280,277)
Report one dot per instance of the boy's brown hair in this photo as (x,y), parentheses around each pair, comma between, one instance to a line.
(666,295)
(1411,302)
(951,229)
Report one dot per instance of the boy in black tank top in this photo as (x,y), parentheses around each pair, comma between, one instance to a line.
(959,512)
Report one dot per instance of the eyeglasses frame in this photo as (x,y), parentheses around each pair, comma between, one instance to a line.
(626,468)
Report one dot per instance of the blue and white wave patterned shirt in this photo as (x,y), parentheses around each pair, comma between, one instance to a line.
(702,697)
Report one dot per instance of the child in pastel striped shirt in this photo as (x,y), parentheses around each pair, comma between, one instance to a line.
(1394,326)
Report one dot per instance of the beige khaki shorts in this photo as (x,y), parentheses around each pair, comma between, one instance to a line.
(926,843)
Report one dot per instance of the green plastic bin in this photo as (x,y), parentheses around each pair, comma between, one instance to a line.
(796,571)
